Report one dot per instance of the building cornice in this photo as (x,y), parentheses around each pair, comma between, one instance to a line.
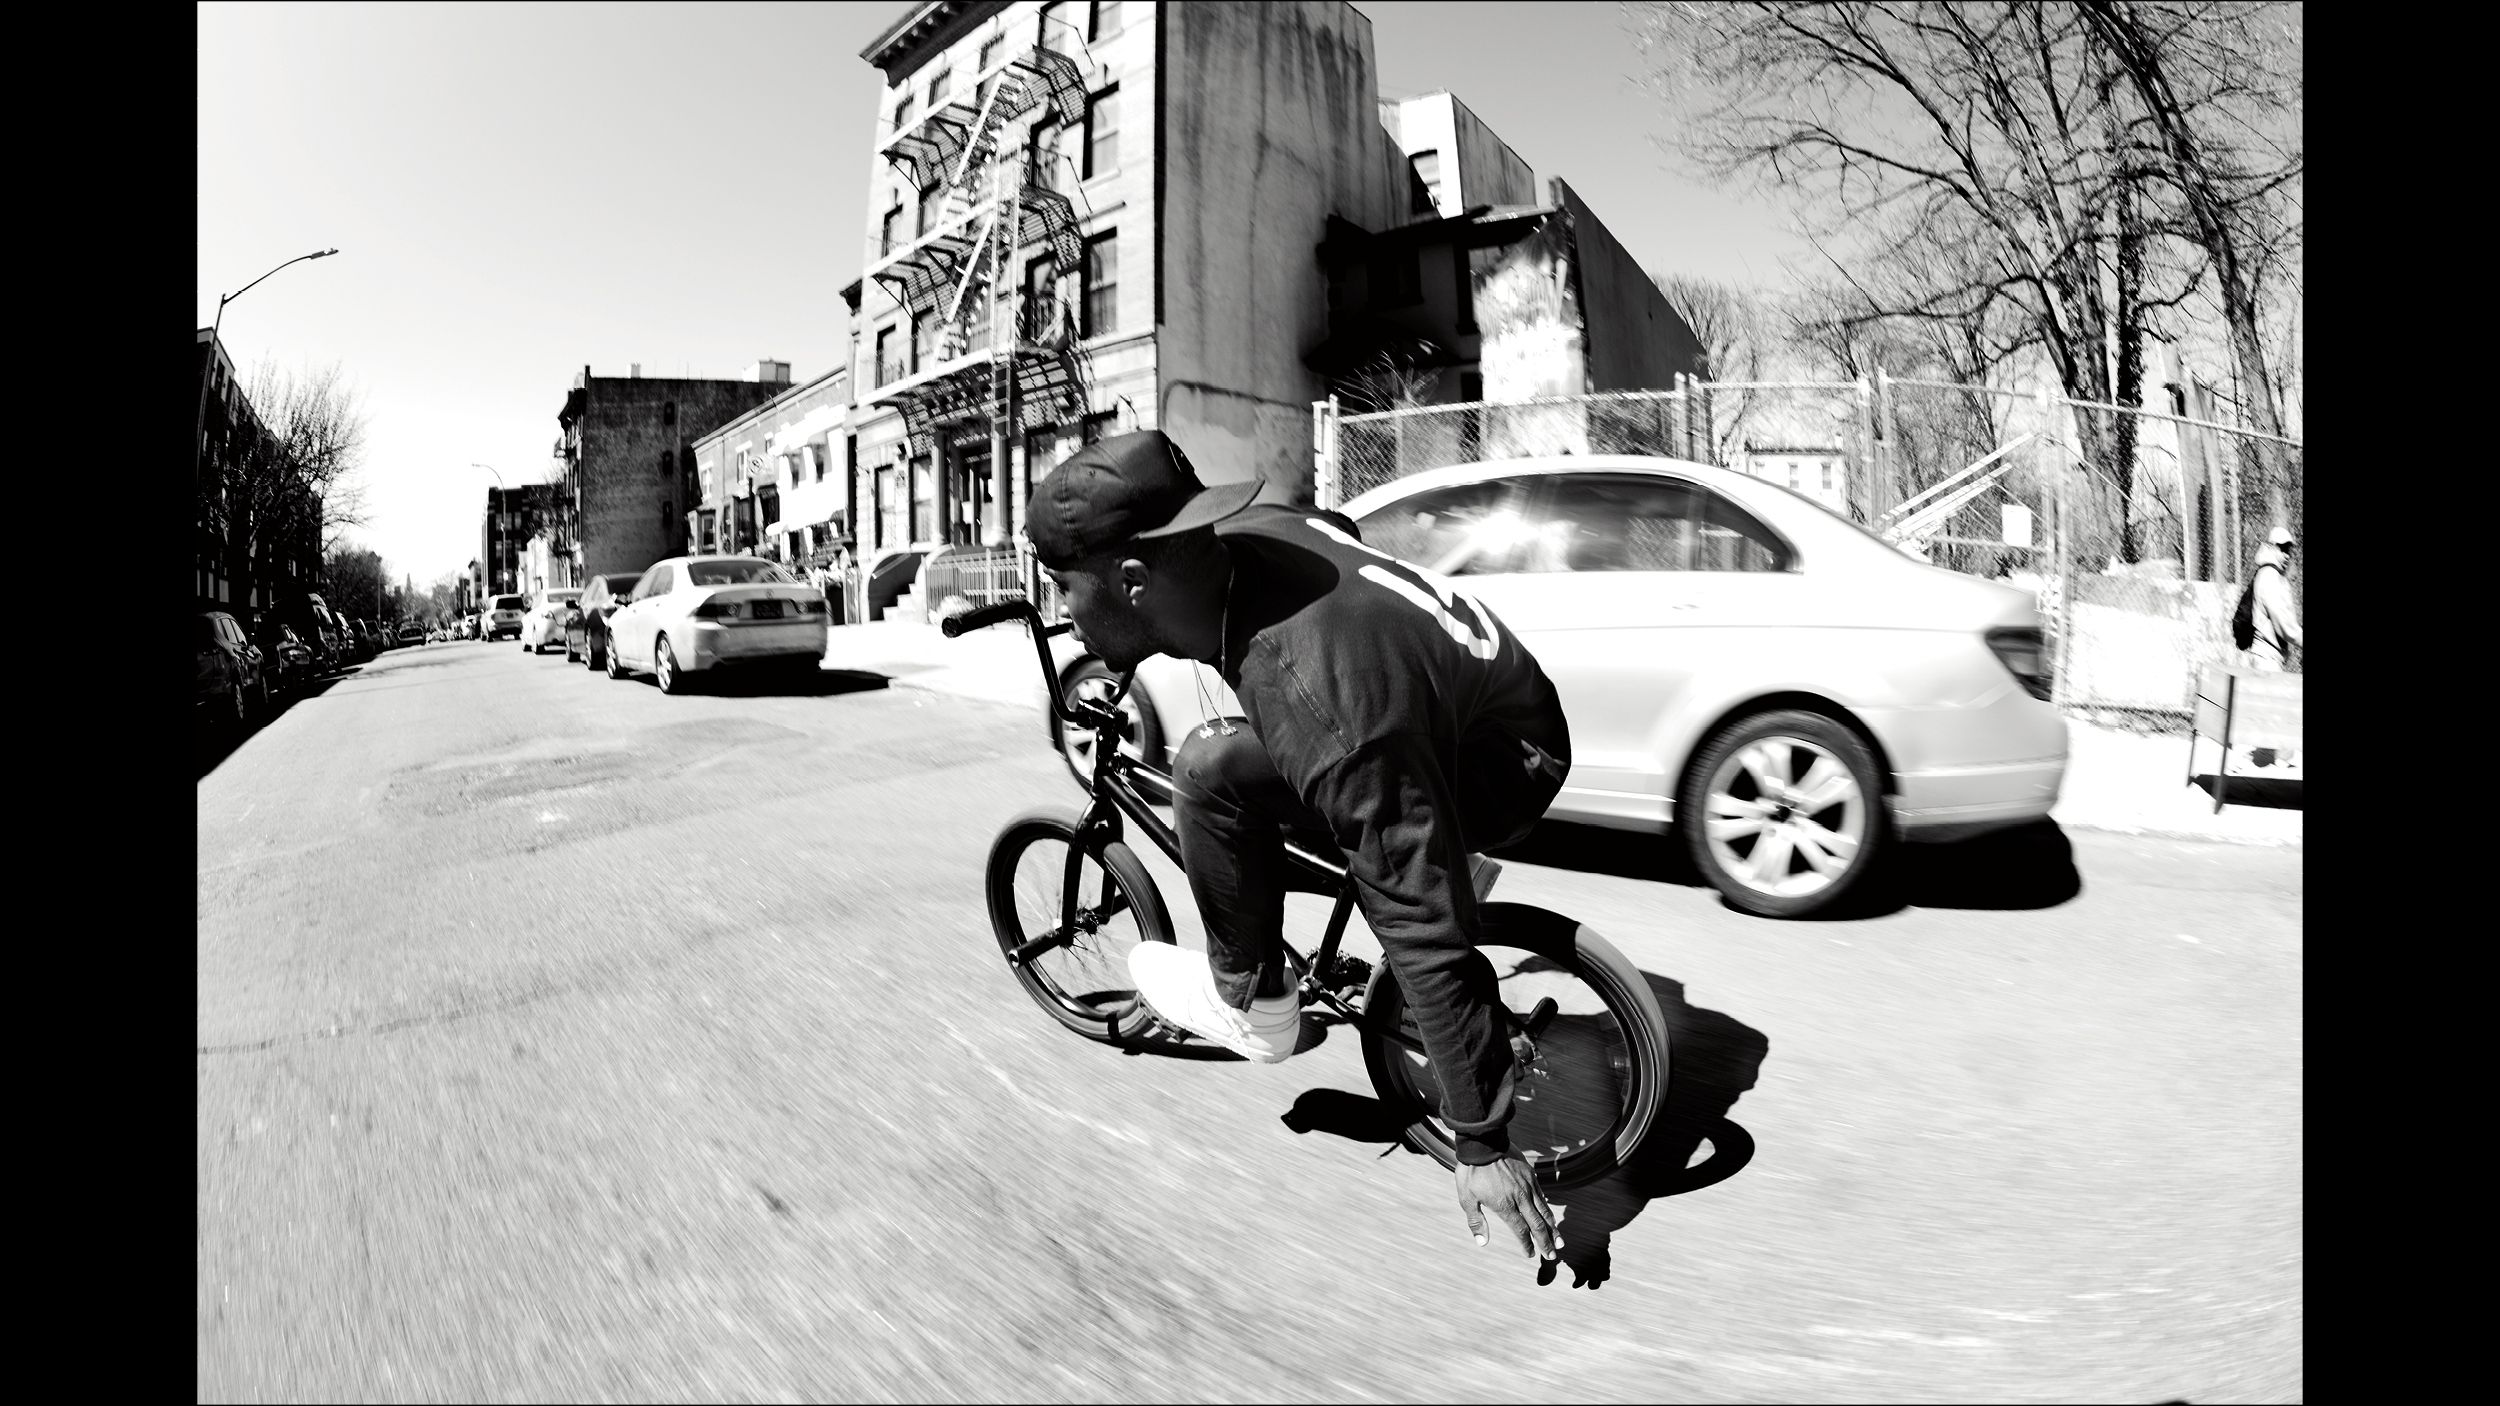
(927,26)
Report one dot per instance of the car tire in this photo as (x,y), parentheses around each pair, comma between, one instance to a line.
(616,662)
(1143,736)
(1785,845)
(242,709)
(673,680)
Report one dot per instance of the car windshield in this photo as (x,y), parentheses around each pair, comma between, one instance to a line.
(620,587)
(509,603)
(751,572)
(206,630)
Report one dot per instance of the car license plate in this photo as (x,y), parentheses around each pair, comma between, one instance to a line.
(766,609)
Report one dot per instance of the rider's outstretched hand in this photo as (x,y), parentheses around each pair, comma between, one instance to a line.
(1507,1189)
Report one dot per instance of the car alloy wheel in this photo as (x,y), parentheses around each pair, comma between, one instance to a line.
(664,664)
(616,661)
(1784,814)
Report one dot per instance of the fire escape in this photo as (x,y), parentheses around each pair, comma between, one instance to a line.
(1004,357)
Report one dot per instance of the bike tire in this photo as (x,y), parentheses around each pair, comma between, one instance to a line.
(1103,1008)
(1599,1136)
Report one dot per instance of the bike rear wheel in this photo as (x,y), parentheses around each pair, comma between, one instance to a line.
(1082,978)
(1592,1093)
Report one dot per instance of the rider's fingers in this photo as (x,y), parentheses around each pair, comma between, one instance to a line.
(1518,1225)
(1475,1220)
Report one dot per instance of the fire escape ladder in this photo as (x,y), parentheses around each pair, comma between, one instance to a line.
(956,275)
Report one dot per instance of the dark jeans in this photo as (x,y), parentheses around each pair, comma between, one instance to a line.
(1233,813)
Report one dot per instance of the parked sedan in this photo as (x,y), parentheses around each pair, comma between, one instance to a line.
(542,628)
(691,615)
(1739,664)
(231,688)
(586,627)
(413,634)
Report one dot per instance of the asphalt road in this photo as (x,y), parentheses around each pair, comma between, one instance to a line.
(560,1040)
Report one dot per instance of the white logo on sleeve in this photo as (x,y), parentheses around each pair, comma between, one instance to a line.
(1482,646)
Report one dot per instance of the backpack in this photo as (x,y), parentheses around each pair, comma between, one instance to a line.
(2244,616)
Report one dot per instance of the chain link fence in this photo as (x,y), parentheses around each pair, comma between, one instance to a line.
(2135,529)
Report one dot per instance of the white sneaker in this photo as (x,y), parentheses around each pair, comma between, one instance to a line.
(1484,871)
(1180,985)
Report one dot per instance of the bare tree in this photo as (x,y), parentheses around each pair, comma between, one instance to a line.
(1733,325)
(351,580)
(2208,77)
(1393,378)
(1991,138)
(317,422)
(290,490)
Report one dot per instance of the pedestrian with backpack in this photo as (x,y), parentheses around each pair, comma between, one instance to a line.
(2266,622)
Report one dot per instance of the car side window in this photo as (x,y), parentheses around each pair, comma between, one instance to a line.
(1644,522)
(655,584)
(1468,529)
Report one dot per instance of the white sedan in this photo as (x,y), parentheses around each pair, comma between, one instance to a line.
(691,615)
(1727,651)
(543,628)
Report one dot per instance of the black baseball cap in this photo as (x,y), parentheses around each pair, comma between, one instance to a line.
(1120,489)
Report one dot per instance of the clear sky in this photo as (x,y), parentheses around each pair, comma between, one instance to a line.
(517,191)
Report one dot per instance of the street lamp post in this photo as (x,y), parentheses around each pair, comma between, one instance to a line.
(199,420)
(199,413)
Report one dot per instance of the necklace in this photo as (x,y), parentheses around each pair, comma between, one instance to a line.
(1218,726)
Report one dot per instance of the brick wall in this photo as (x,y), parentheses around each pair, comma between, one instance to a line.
(636,437)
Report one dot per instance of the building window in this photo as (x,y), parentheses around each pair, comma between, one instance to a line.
(1426,187)
(1041,160)
(922,324)
(886,371)
(937,88)
(1827,475)
(902,111)
(1102,133)
(1465,289)
(1040,317)
(891,227)
(668,412)
(1396,278)
(1102,284)
(1052,31)
(932,206)
(1105,21)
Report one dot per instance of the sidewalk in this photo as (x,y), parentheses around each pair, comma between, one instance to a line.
(2114,780)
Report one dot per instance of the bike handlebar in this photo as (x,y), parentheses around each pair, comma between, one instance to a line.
(984,616)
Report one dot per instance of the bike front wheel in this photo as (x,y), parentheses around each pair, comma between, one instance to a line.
(1592,1090)
(1074,925)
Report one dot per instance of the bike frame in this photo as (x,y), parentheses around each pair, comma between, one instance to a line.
(1115,797)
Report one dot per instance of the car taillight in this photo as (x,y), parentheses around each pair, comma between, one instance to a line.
(815,606)
(2025,655)
(716,610)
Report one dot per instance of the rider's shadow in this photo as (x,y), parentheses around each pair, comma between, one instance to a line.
(1715,1058)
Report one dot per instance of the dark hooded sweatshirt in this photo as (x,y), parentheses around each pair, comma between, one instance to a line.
(1385,695)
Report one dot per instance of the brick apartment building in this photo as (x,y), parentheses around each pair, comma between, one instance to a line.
(627,459)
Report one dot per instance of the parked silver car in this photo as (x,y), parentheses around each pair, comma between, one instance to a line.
(1738,663)
(690,615)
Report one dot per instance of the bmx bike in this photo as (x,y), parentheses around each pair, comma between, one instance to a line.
(1068,899)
